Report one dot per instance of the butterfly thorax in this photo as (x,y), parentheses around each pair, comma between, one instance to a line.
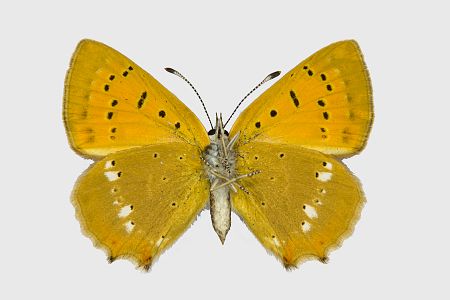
(220,158)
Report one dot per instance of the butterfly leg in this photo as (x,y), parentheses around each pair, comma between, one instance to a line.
(233,141)
(219,175)
(232,180)
(233,188)
(224,147)
(242,188)
(215,182)
(228,181)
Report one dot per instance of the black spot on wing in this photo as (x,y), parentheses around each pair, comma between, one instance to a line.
(294,98)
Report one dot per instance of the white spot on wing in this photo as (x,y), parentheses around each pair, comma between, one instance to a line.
(324,176)
(112,175)
(158,242)
(306,226)
(125,211)
(109,164)
(129,226)
(328,165)
(310,211)
(276,242)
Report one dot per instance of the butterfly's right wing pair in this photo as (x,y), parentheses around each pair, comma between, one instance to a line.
(305,201)
(149,183)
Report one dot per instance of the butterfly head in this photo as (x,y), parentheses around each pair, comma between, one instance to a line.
(216,133)
(213,131)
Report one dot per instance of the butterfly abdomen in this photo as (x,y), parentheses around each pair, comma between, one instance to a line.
(220,208)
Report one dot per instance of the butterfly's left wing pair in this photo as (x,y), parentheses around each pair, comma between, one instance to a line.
(149,184)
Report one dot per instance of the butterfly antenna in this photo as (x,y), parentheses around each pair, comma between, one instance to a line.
(268,77)
(173,71)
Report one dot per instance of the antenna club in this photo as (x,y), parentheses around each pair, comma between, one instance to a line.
(175,72)
(170,70)
(274,74)
(268,77)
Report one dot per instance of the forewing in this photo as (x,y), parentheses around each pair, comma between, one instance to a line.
(111,104)
(324,103)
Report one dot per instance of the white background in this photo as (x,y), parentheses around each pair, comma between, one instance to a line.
(400,247)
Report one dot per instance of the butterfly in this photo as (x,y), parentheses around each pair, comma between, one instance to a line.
(279,167)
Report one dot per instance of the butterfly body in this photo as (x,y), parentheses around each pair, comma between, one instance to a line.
(156,167)
(220,160)
(219,166)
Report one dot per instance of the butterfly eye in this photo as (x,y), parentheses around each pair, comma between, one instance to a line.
(213,132)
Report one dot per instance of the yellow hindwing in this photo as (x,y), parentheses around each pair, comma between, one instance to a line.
(301,205)
(137,202)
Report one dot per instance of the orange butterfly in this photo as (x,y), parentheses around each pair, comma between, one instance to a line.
(279,167)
